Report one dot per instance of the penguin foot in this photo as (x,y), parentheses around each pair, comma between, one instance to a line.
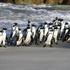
(5,46)
(50,45)
(44,45)
(56,43)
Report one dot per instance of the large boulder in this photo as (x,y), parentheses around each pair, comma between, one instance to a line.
(23,1)
(68,2)
(37,1)
(28,1)
(54,1)
(9,1)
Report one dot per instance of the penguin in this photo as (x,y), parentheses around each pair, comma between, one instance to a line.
(37,36)
(66,27)
(1,37)
(56,34)
(15,34)
(48,42)
(25,30)
(45,30)
(15,29)
(41,33)
(55,22)
(33,30)
(67,36)
(29,21)
(27,40)
(65,32)
(50,25)
(19,41)
(62,26)
(4,36)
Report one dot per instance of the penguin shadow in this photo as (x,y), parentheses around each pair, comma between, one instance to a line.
(66,45)
(62,45)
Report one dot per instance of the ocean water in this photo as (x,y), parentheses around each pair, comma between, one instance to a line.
(10,13)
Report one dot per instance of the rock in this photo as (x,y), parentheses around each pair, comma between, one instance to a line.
(68,3)
(28,1)
(54,1)
(37,1)
(19,1)
(9,1)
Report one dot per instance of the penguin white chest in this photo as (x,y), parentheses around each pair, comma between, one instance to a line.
(55,35)
(41,34)
(66,31)
(15,31)
(46,31)
(33,31)
(62,26)
(48,41)
(28,38)
(4,37)
(20,38)
(1,37)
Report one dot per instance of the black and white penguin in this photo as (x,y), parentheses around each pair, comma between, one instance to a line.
(14,34)
(48,42)
(66,27)
(68,36)
(1,36)
(4,36)
(62,26)
(19,41)
(41,33)
(25,30)
(15,29)
(56,34)
(65,32)
(46,29)
(55,21)
(27,40)
(33,30)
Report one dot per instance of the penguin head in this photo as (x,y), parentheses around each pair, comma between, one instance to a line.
(19,29)
(28,30)
(42,27)
(45,23)
(66,23)
(15,24)
(55,27)
(60,19)
(53,20)
(28,27)
(56,18)
(51,28)
(33,25)
(50,24)
(4,28)
(28,21)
